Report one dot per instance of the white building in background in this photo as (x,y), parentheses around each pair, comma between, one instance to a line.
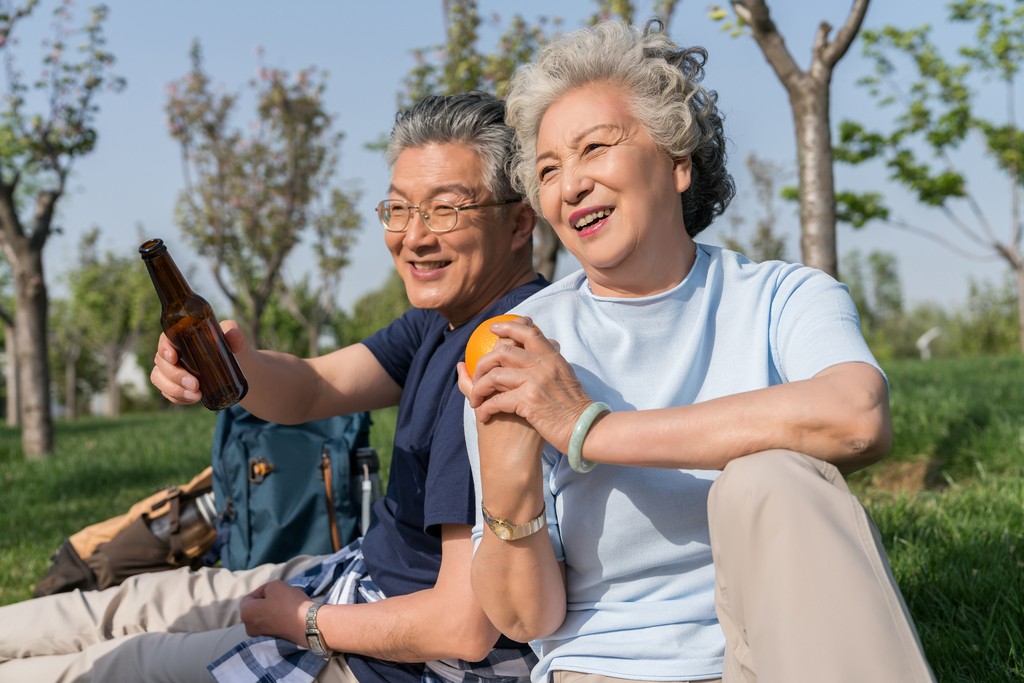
(130,376)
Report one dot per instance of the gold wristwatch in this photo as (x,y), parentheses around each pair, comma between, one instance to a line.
(507,531)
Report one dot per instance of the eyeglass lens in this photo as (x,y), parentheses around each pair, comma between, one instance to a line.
(438,214)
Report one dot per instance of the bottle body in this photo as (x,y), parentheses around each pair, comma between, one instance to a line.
(193,330)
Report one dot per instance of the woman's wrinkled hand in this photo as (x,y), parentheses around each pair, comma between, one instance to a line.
(276,609)
(171,378)
(529,378)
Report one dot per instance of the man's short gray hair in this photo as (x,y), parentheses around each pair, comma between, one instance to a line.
(474,119)
(667,99)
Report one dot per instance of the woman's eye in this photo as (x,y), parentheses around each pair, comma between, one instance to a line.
(544,172)
(591,147)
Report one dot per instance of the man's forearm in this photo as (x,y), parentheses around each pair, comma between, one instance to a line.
(442,622)
(418,627)
(289,390)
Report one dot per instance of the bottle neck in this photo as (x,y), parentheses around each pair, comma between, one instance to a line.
(170,284)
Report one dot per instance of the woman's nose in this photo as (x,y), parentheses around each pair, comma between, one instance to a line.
(575,184)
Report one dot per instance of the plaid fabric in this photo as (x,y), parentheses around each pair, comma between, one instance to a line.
(343,577)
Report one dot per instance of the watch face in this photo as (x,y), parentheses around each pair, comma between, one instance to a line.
(501,529)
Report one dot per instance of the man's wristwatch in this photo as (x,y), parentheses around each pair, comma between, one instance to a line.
(507,531)
(313,637)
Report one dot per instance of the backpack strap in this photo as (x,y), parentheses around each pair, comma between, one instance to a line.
(174,526)
(325,474)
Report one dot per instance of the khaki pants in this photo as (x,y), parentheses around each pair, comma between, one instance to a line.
(803,588)
(164,627)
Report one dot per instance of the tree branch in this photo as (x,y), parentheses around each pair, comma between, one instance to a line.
(44,214)
(903,225)
(834,51)
(215,268)
(773,46)
(966,230)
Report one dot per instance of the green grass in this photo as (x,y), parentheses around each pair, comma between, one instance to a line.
(955,540)
(956,546)
(99,468)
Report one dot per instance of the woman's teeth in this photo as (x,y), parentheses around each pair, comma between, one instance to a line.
(429,265)
(590,218)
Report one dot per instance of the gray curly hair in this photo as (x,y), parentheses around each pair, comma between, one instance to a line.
(679,115)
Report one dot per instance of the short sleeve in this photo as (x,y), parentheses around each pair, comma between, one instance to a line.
(449,494)
(395,346)
(814,326)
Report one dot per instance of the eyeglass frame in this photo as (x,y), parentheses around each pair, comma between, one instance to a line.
(380,215)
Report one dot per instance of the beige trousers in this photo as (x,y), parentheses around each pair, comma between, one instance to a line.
(803,588)
(164,627)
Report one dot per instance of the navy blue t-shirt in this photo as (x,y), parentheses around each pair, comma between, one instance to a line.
(430,482)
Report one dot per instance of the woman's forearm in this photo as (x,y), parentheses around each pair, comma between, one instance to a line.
(840,416)
(519,584)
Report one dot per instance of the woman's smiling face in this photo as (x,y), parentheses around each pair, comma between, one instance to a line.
(612,194)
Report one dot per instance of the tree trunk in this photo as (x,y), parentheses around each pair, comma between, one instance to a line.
(33,365)
(13,404)
(810,102)
(313,330)
(70,382)
(809,98)
(1018,270)
(545,249)
(113,393)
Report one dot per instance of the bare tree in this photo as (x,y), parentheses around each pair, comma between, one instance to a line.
(765,244)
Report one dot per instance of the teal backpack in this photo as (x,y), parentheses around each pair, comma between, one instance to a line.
(287,490)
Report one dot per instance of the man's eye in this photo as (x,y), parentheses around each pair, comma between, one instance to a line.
(591,147)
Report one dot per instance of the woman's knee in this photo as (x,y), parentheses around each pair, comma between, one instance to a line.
(755,480)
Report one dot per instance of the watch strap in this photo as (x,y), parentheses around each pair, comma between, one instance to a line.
(313,637)
(507,531)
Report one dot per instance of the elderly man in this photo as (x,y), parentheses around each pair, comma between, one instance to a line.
(398,605)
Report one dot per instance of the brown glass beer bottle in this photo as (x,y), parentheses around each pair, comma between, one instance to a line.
(194,332)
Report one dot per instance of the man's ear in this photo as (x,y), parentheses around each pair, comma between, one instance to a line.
(681,169)
(525,221)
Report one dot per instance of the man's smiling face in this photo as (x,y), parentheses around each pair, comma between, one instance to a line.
(457,273)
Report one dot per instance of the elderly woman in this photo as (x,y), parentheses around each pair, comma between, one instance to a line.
(674,361)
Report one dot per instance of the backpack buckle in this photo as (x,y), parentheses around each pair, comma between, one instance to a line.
(259,468)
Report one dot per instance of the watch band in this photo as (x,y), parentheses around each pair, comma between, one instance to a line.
(507,531)
(313,637)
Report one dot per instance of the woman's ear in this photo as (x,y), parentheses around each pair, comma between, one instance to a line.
(681,173)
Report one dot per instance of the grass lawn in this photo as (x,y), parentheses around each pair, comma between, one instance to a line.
(949,501)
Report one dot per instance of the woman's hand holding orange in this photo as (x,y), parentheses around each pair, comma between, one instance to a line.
(530,379)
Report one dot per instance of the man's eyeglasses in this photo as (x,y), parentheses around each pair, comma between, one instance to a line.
(439,215)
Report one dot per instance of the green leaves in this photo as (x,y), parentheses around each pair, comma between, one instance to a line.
(733,24)
(68,82)
(459,66)
(859,209)
(252,195)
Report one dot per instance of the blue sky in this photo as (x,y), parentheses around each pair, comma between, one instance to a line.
(134,175)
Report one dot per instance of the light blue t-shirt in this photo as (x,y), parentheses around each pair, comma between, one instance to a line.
(639,575)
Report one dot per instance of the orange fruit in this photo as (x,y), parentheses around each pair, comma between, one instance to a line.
(482,341)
